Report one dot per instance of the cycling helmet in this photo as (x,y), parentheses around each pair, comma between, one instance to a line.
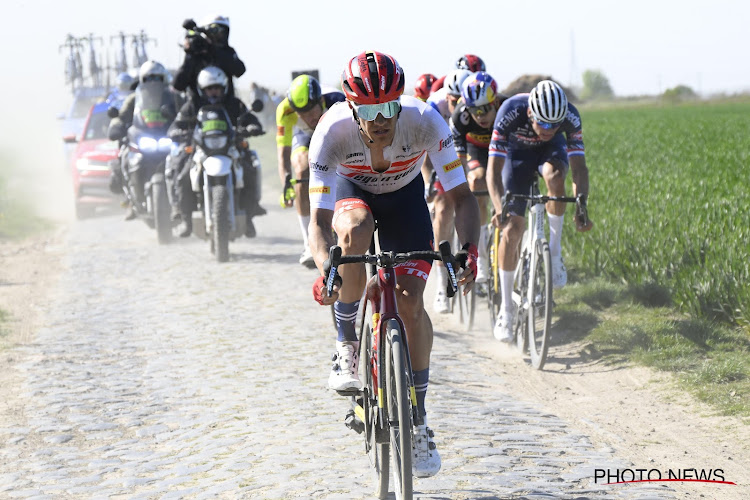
(152,71)
(455,79)
(548,102)
(478,90)
(372,78)
(423,86)
(470,62)
(304,93)
(124,82)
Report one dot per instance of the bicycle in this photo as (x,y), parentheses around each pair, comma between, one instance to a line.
(385,409)
(532,285)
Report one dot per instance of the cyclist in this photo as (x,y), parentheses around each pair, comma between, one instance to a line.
(471,126)
(213,49)
(364,163)
(469,62)
(296,118)
(212,89)
(423,87)
(539,131)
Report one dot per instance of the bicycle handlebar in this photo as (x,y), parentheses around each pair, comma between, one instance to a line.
(580,201)
(388,259)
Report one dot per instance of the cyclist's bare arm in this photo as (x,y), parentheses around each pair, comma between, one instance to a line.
(284,158)
(321,240)
(580,177)
(495,185)
(467,221)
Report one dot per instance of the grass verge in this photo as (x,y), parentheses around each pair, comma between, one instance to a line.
(637,323)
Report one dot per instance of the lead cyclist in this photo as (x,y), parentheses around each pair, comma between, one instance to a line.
(365,156)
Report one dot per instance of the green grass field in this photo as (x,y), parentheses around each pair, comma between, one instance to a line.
(671,204)
(662,280)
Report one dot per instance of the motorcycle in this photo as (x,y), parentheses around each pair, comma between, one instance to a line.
(217,176)
(144,151)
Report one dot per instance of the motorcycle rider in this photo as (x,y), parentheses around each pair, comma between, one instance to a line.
(212,84)
(208,46)
(151,106)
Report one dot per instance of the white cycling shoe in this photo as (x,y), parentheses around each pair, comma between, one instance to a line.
(441,304)
(503,329)
(559,273)
(425,459)
(344,375)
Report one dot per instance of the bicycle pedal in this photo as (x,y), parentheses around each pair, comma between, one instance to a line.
(354,423)
(347,393)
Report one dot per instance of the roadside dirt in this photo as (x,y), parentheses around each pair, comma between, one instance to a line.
(634,410)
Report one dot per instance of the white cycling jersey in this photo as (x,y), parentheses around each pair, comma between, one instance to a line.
(337,149)
(439,101)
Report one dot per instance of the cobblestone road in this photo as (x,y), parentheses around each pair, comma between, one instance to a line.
(161,374)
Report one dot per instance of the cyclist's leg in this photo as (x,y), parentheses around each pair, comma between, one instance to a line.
(554,167)
(301,170)
(442,226)
(354,224)
(476,177)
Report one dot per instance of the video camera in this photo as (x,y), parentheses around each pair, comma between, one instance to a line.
(196,41)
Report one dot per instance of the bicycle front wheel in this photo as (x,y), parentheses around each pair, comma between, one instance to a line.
(399,410)
(375,444)
(494,297)
(540,304)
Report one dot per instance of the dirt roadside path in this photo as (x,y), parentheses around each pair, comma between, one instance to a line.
(633,410)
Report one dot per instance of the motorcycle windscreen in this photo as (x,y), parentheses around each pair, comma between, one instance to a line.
(218,165)
(148,103)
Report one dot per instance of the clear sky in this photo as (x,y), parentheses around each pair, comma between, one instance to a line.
(643,47)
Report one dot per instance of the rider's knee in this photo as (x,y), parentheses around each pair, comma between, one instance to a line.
(354,232)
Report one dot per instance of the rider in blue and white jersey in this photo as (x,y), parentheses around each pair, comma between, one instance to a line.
(536,132)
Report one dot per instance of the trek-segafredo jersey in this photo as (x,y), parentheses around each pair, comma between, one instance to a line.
(337,149)
(513,128)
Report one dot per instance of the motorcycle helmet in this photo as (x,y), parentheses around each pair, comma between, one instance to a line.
(470,62)
(124,82)
(152,71)
(424,85)
(209,77)
(372,78)
(304,93)
(454,80)
(548,102)
(217,29)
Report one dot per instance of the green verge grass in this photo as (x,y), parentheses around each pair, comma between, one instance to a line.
(662,280)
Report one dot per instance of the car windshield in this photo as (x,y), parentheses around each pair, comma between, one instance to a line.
(97,126)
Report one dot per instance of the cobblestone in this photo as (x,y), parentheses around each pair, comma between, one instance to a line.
(162,374)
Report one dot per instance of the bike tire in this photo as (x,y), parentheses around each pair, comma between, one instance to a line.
(494,297)
(162,215)
(520,289)
(540,304)
(399,411)
(221,224)
(377,452)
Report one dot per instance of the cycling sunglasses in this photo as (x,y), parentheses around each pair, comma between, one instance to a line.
(217,28)
(543,124)
(368,112)
(480,110)
(153,78)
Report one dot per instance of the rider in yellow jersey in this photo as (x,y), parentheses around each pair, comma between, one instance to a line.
(296,118)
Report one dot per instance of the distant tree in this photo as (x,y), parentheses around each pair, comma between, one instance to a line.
(596,85)
(525,83)
(679,93)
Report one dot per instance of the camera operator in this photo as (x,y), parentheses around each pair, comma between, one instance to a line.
(207,45)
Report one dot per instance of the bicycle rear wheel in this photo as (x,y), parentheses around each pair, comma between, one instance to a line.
(399,411)
(540,304)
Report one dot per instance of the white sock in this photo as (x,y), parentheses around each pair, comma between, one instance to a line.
(506,289)
(441,275)
(482,242)
(555,233)
(304,222)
